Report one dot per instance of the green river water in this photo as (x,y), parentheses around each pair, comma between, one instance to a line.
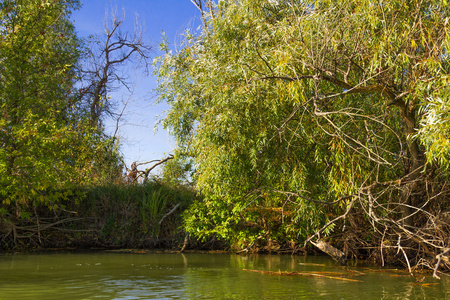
(106,275)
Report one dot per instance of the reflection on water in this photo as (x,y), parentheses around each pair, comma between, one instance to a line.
(194,276)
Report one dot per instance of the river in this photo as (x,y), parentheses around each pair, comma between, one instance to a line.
(109,275)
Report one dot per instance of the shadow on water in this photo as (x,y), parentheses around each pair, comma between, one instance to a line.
(104,275)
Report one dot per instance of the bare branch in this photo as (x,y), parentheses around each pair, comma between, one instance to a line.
(147,171)
(169,213)
(102,73)
(439,258)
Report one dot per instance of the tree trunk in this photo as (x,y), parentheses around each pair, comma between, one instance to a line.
(413,163)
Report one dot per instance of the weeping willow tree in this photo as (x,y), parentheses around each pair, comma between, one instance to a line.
(315,118)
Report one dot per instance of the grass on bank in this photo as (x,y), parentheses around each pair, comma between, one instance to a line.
(110,215)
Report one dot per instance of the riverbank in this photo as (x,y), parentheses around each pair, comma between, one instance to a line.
(109,216)
(120,216)
(151,217)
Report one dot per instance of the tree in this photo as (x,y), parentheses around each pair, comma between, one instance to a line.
(46,144)
(310,111)
(103,68)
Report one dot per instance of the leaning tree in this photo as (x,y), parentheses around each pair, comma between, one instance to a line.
(315,118)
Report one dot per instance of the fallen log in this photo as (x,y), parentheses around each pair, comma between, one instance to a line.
(329,275)
(336,254)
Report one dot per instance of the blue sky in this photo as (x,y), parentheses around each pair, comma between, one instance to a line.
(139,140)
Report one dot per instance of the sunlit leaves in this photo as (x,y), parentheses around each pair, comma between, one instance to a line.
(314,99)
(435,130)
(46,144)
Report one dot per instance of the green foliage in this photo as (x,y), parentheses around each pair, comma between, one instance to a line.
(282,101)
(132,209)
(102,215)
(46,141)
(435,130)
(178,171)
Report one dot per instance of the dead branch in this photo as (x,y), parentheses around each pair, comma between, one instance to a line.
(185,243)
(439,257)
(336,254)
(147,171)
(329,275)
(400,248)
(101,73)
(169,213)
(134,174)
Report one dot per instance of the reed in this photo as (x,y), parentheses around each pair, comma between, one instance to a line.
(134,214)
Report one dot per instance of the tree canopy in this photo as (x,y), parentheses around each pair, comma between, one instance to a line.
(47,144)
(306,115)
